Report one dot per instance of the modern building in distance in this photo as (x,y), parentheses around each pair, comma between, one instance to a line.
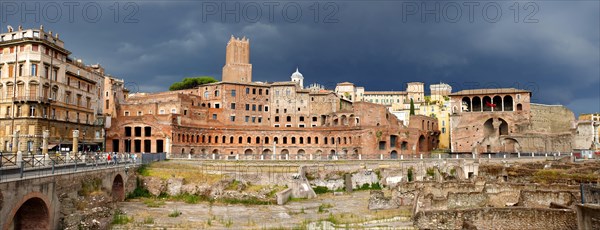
(437,105)
(241,118)
(397,102)
(43,88)
(504,120)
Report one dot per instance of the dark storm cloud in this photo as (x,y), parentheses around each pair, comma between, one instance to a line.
(549,47)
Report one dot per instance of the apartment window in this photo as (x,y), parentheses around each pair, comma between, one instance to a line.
(287,92)
(217,106)
(126,113)
(301,119)
(33,69)
(20,70)
(259,107)
(35,47)
(276,92)
(185,112)
(232,118)
(206,95)
(233,93)
(266,108)
(443,130)
(162,111)
(276,110)
(147,131)
(259,119)
(247,107)
(246,118)
(232,105)
(314,119)
(214,116)
(216,93)
(288,118)
(253,91)
(266,92)
(276,118)
(247,90)
(32,111)
(253,107)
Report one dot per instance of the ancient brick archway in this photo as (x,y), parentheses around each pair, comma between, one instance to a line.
(118,188)
(422,144)
(33,213)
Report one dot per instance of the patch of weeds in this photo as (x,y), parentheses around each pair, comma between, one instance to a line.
(321,190)
(153,203)
(228,223)
(430,172)
(248,201)
(139,191)
(175,213)
(148,220)
(188,198)
(143,170)
(120,218)
(233,185)
(89,186)
(323,207)
(331,218)
(209,222)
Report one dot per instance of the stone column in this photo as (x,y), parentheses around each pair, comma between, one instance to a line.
(45,136)
(75,141)
(15,142)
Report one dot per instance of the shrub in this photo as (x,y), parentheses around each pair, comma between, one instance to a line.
(175,213)
(321,190)
(409,174)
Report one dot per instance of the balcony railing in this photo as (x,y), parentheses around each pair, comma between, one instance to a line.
(31,99)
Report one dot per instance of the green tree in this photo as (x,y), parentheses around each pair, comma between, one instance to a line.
(191,82)
(412,107)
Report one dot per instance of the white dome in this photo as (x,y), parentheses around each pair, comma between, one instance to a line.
(297,75)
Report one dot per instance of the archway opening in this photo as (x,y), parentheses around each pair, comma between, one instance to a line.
(33,214)
(394,155)
(422,144)
(118,189)
(488,127)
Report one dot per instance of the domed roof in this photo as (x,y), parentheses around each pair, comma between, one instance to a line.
(297,74)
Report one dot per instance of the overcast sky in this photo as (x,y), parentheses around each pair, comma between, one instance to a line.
(549,47)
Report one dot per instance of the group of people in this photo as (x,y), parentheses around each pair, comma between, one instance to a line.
(115,158)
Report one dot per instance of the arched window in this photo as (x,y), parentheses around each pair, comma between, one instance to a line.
(231,140)
(284,140)
(266,140)
(249,140)
(293,140)
(316,140)
(257,140)
(239,140)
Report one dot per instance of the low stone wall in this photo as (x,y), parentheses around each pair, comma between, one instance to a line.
(588,216)
(497,218)
(283,196)
(542,199)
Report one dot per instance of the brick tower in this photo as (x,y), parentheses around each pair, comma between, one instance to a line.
(237,61)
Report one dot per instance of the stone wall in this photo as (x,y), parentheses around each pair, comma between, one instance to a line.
(497,218)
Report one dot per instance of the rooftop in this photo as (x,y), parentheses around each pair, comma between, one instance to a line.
(489,91)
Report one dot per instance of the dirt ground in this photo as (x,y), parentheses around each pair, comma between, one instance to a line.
(347,211)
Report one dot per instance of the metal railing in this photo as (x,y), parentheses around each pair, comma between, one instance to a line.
(14,167)
(396,156)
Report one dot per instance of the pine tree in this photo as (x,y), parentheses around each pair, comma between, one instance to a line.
(412,107)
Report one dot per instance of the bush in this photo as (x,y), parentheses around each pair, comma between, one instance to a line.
(139,190)
(410,174)
(321,190)
(175,213)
